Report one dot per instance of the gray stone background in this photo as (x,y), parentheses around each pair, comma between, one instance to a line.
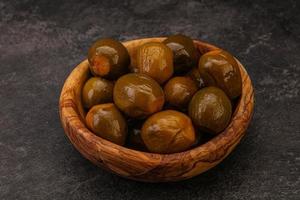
(42,41)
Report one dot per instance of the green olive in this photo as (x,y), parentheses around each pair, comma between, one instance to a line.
(219,68)
(184,51)
(96,91)
(210,110)
(108,58)
(156,60)
(168,131)
(180,90)
(194,74)
(138,95)
(106,121)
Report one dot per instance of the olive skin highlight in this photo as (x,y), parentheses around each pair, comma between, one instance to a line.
(106,121)
(179,91)
(185,55)
(168,131)
(138,95)
(210,110)
(194,74)
(96,91)
(219,68)
(156,60)
(108,58)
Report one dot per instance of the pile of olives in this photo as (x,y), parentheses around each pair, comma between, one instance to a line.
(172,99)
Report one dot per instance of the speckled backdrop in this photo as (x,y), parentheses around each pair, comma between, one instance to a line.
(42,41)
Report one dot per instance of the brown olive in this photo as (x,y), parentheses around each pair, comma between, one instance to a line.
(108,58)
(134,139)
(106,121)
(133,69)
(219,68)
(184,51)
(194,74)
(168,131)
(138,95)
(180,90)
(210,110)
(156,60)
(96,91)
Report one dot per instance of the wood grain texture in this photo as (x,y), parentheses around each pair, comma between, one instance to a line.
(144,166)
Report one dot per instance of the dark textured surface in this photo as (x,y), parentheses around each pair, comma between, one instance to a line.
(41,42)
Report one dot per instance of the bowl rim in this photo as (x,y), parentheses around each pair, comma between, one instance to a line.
(220,141)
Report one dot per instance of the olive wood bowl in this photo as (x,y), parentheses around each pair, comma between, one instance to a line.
(143,166)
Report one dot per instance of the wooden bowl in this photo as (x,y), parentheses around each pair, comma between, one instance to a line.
(142,166)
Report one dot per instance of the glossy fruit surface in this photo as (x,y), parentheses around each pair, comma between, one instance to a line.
(134,139)
(168,131)
(219,68)
(97,91)
(194,74)
(185,54)
(180,90)
(210,110)
(138,95)
(156,60)
(106,121)
(108,58)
